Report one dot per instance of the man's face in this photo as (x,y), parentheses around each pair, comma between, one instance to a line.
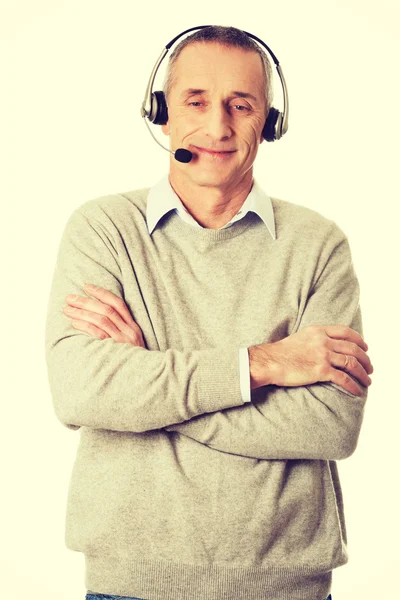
(207,111)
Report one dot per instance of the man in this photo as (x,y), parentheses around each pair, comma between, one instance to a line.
(200,474)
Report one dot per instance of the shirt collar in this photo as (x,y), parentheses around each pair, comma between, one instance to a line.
(162,199)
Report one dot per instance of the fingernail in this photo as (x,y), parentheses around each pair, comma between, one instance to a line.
(89,286)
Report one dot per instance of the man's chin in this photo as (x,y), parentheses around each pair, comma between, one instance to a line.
(209,178)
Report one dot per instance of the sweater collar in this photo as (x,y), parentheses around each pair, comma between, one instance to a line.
(162,199)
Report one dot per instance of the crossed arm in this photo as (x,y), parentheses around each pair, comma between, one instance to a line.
(305,402)
(285,421)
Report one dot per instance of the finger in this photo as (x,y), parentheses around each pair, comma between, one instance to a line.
(342,332)
(108,297)
(89,328)
(99,321)
(120,332)
(344,380)
(350,348)
(97,306)
(351,365)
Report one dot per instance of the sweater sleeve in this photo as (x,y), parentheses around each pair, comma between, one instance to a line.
(318,421)
(109,385)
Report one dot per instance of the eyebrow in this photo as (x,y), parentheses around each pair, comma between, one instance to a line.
(194,91)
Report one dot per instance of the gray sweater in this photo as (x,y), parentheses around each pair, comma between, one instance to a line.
(180,490)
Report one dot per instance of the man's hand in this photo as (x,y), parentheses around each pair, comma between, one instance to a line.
(313,354)
(104,316)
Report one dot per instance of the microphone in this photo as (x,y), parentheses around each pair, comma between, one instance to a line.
(181,154)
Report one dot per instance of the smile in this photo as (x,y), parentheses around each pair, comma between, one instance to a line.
(214,153)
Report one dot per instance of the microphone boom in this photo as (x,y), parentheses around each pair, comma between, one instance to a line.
(181,154)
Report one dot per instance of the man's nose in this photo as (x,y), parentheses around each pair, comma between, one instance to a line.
(218,122)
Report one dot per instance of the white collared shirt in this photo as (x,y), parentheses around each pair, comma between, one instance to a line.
(162,198)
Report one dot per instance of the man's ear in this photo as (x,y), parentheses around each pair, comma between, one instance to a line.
(165,128)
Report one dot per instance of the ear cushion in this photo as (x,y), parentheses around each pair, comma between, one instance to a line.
(268,132)
(160,108)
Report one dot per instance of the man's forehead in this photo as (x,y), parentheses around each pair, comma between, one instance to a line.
(207,60)
(212,56)
(200,66)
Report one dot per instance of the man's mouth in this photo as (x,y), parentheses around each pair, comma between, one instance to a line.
(214,152)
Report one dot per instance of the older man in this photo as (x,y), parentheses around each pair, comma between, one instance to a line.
(217,370)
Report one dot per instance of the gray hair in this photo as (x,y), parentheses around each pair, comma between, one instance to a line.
(226,36)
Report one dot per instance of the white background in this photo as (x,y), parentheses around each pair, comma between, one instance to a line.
(73,76)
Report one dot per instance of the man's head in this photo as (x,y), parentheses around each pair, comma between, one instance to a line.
(218,90)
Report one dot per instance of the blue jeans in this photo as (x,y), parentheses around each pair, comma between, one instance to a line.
(109,597)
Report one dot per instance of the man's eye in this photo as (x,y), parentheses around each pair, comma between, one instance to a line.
(238,107)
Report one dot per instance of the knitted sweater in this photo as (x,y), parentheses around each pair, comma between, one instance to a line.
(180,490)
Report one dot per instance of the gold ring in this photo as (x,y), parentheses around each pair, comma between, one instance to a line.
(347,360)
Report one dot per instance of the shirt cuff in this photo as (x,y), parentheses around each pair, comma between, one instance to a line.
(244,370)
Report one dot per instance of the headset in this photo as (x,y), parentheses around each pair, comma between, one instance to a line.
(154,107)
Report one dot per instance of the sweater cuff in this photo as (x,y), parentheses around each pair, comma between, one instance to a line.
(218,379)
